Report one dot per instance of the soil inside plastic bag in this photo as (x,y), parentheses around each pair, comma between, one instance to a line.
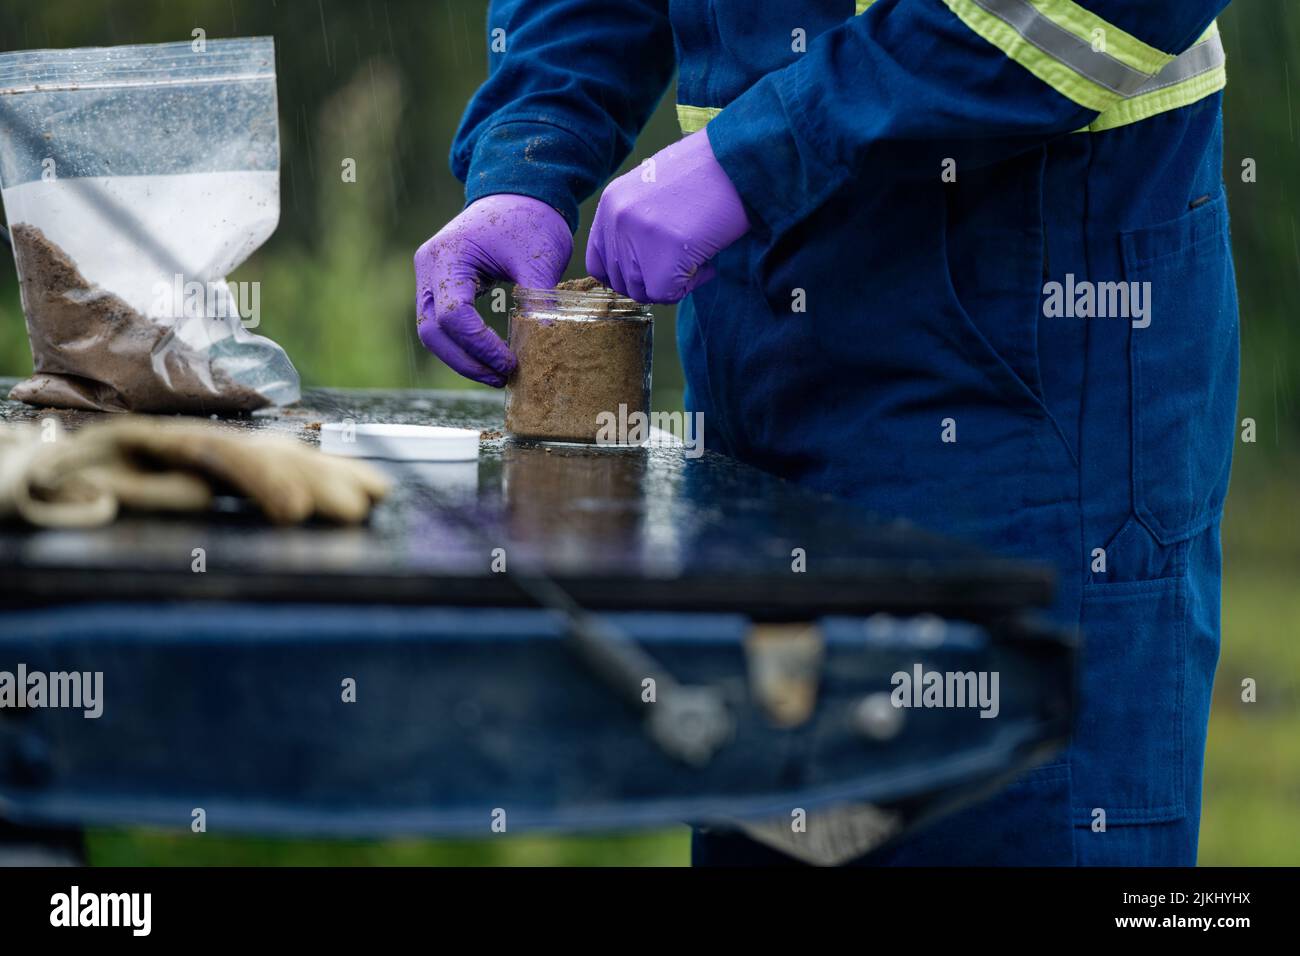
(91,350)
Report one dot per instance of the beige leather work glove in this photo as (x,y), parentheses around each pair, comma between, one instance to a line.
(73,501)
(158,464)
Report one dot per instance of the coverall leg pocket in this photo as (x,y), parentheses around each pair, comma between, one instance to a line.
(1184,359)
(1128,752)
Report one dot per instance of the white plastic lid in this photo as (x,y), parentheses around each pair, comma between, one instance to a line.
(399,442)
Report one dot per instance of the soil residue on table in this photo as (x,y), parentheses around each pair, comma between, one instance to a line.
(93,351)
(572,370)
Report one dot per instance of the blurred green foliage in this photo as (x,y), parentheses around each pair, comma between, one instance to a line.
(1262,123)
(384,82)
(666,848)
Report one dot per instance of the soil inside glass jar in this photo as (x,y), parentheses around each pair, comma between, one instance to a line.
(573,367)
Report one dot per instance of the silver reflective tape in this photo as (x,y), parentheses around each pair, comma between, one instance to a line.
(1064,47)
(1202,58)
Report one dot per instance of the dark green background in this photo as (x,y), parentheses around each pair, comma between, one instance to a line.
(384,83)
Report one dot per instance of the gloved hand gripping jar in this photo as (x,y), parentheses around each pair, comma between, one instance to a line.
(585,355)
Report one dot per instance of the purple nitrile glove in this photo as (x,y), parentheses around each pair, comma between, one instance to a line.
(657,227)
(498,237)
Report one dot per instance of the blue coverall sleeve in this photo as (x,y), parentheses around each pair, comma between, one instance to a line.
(570,85)
(893,92)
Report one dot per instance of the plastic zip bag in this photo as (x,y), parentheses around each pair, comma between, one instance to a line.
(134,180)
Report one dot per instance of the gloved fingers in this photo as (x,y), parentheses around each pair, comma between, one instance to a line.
(74,501)
(437,341)
(39,483)
(594,258)
(93,445)
(624,280)
(500,237)
(244,463)
(607,266)
(466,328)
(154,464)
(288,480)
(541,267)
(343,489)
(262,470)
(140,490)
(627,267)
(443,284)
(114,456)
(19,444)
(611,257)
(652,238)
(370,479)
(634,285)
(460,261)
(535,273)
(596,268)
(449,325)
(336,495)
(340,501)
(447,268)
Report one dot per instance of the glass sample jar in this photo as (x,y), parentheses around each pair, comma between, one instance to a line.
(585,356)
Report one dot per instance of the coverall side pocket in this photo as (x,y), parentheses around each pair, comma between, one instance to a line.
(994,261)
(1184,358)
(1128,751)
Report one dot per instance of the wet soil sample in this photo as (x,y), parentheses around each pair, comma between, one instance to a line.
(91,350)
(584,352)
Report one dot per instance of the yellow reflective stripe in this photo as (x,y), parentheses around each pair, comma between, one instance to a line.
(1092,29)
(694,118)
(1205,73)
(1123,113)
(1138,108)
(1197,73)
(1050,70)
(861,6)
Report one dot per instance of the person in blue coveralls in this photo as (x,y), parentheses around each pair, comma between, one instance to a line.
(965,261)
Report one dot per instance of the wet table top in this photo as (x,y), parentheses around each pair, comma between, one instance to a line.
(615,528)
